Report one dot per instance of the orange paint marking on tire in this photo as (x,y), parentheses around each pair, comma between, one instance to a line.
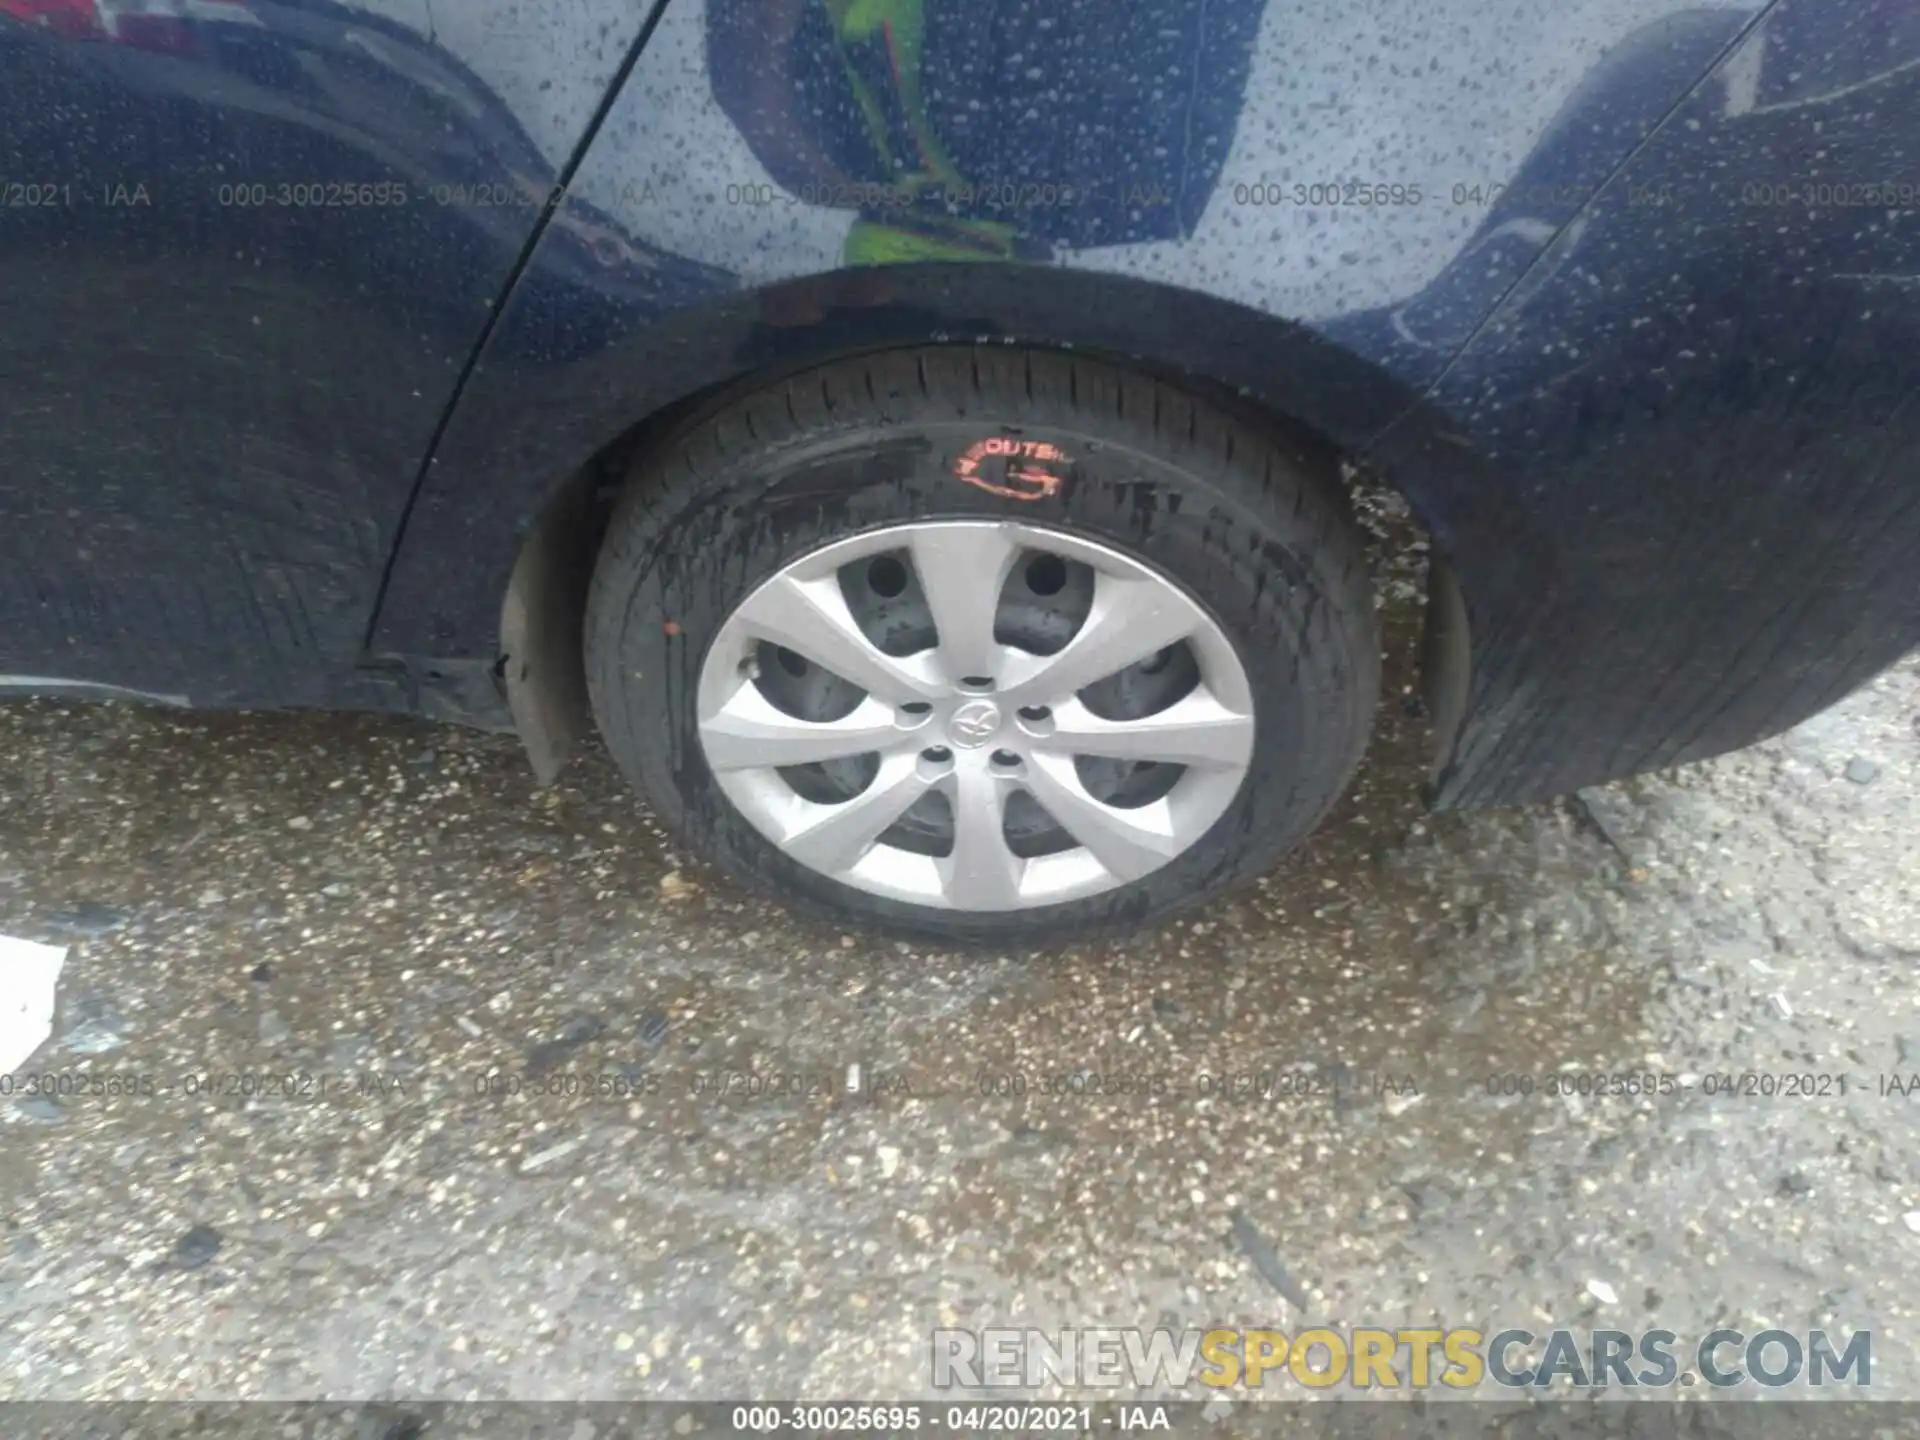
(1025,477)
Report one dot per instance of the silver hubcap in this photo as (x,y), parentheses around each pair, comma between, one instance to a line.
(975,715)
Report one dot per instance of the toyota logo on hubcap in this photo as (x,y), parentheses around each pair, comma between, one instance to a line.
(974,723)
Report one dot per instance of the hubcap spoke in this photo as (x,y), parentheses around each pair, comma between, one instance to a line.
(1132,619)
(981,873)
(810,617)
(834,837)
(1197,730)
(750,732)
(1129,843)
(961,570)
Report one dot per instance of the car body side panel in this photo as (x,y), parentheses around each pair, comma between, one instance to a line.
(246,249)
(1639,345)
(1313,201)
(1679,470)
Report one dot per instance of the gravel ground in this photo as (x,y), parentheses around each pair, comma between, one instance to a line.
(395,912)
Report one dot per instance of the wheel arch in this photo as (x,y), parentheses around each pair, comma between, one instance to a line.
(493,565)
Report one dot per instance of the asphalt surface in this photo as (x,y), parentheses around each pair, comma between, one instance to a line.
(814,1147)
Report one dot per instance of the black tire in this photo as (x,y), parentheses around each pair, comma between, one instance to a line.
(1237,514)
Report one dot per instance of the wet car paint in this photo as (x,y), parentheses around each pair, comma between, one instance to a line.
(249,248)
(1225,192)
(1479,132)
(1676,470)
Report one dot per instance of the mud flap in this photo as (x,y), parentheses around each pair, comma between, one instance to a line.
(541,662)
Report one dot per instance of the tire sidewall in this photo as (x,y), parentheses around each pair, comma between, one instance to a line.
(650,630)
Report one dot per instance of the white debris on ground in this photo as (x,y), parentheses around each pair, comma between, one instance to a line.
(29,972)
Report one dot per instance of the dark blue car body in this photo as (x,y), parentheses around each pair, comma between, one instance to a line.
(316,318)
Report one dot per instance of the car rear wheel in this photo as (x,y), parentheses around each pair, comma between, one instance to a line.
(984,645)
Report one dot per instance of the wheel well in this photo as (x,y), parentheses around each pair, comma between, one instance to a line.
(541,663)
